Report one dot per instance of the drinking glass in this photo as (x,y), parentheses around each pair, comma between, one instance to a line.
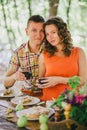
(28,81)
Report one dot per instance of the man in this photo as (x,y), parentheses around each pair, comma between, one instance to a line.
(26,56)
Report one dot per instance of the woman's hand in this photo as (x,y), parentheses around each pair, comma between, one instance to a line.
(48,82)
(52,81)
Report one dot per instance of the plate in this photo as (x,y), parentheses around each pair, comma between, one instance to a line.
(29,111)
(3,93)
(25,100)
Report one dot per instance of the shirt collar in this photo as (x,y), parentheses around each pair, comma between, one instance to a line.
(27,49)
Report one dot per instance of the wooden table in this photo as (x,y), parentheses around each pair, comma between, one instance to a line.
(7,124)
(10,124)
(5,103)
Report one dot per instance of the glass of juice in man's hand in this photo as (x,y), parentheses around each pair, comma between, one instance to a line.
(28,81)
(28,75)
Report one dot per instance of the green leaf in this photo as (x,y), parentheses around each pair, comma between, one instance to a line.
(59,100)
(74,82)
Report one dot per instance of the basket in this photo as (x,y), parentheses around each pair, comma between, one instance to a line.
(65,125)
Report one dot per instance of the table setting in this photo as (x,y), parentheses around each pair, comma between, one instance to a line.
(60,112)
(10,113)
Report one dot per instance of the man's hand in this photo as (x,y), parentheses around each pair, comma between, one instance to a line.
(18,76)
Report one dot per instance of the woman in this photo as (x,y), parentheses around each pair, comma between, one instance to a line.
(60,59)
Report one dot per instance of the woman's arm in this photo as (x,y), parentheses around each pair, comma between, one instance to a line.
(82,66)
(41,66)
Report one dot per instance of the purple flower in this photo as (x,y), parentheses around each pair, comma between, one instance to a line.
(72,101)
(75,100)
(79,99)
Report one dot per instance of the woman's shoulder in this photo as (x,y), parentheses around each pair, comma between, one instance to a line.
(81,52)
(78,51)
(75,50)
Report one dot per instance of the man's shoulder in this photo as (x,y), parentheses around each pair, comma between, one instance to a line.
(21,48)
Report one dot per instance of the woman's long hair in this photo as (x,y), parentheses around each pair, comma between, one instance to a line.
(63,33)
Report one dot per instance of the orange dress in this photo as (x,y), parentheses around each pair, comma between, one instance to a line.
(60,66)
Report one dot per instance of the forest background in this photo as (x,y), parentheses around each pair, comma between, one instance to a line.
(15,13)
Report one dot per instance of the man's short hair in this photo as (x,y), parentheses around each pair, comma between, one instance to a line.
(36,18)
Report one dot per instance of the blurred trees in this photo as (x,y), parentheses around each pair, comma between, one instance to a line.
(14,15)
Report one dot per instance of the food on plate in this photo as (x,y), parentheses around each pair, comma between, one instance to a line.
(22,121)
(8,92)
(9,110)
(9,116)
(36,111)
(26,100)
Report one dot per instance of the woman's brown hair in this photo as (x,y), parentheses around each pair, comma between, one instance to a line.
(63,33)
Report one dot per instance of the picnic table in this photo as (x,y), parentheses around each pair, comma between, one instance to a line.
(11,123)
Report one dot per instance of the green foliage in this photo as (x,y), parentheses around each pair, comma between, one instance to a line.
(83,0)
(74,82)
(17,12)
(59,100)
(79,113)
(71,93)
(78,101)
(83,90)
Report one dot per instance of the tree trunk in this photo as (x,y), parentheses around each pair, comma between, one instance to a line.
(68,11)
(53,6)
(29,7)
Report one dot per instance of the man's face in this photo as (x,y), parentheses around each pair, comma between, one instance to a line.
(35,32)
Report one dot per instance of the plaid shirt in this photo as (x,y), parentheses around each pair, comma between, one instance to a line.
(24,59)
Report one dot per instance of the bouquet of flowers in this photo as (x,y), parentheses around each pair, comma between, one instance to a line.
(74,102)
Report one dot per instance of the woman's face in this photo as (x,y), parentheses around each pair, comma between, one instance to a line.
(52,36)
